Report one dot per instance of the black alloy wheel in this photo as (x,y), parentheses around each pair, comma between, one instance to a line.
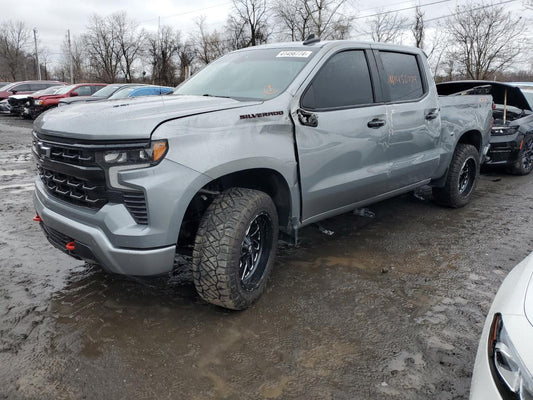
(255,248)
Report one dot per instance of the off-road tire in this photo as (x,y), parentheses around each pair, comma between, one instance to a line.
(458,188)
(219,245)
(524,163)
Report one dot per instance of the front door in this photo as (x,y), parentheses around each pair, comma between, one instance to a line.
(341,135)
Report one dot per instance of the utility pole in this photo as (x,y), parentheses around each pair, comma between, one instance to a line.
(36,54)
(70,58)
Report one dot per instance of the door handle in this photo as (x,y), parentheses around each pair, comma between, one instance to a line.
(432,115)
(376,123)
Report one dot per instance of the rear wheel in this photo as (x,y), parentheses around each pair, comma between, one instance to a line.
(235,248)
(462,178)
(524,163)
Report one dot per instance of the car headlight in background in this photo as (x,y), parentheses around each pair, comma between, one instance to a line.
(38,102)
(115,161)
(504,130)
(506,363)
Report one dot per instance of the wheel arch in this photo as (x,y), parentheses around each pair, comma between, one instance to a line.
(267,180)
(472,137)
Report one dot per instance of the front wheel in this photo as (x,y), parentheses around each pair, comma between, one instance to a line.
(462,178)
(235,248)
(524,163)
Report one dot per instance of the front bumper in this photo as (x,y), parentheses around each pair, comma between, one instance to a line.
(92,245)
(110,236)
(504,150)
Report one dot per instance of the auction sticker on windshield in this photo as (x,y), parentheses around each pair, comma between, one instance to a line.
(294,53)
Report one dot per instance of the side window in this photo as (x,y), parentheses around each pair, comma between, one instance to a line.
(95,89)
(38,86)
(343,81)
(25,87)
(83,91)
(403,76)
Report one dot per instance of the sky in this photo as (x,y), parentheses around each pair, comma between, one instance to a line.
(52,18)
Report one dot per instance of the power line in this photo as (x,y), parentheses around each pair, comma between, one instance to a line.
(403,9)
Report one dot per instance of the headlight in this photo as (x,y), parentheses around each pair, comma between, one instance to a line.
(504,130)
(115,161)
(507,362)
(151,155)
(38,102)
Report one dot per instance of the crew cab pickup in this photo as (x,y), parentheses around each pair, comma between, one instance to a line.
(264,139)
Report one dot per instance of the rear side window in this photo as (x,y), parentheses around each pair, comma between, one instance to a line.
(343,81)
(404,80)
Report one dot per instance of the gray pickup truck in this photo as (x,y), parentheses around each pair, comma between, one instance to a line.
(265,139)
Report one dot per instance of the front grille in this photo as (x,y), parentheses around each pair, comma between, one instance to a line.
(72,156)
(70,172)
(72,189)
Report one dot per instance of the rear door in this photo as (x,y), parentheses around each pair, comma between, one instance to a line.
(413,114)
(341,134)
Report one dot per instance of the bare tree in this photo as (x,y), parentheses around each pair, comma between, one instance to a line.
(327,20)
(186,55)
(163,49)
(293,19)
(14,37)
(208,45)
(387,27)
(103,48)
(418,28)
(249,21)
(484,39)
(130,42)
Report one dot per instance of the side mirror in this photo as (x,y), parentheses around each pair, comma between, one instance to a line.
(73,94)
(14,91)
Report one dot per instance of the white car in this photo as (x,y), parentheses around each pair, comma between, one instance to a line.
(504,361)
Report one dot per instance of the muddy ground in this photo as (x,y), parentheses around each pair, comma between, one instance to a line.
(386,308)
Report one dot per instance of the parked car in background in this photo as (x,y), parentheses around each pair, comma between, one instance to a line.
(101,94)
(141,91)
(504,363)
(511,143)
(26,87)
(18,101)
(38,104)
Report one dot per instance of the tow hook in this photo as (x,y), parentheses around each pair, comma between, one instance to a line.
(37,218)
(70,246)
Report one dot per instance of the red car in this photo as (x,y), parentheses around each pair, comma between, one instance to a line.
(37,105)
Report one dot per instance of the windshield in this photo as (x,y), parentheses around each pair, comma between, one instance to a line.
(123,93)
(529,97)
(106,91)
(50,90)
(65,89)
(258,74)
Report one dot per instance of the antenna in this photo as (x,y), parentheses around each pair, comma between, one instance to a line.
(311,39)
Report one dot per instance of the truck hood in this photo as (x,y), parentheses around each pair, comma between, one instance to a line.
(515,97)
(125,119)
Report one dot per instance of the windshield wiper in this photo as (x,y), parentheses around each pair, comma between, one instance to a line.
(215,95)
